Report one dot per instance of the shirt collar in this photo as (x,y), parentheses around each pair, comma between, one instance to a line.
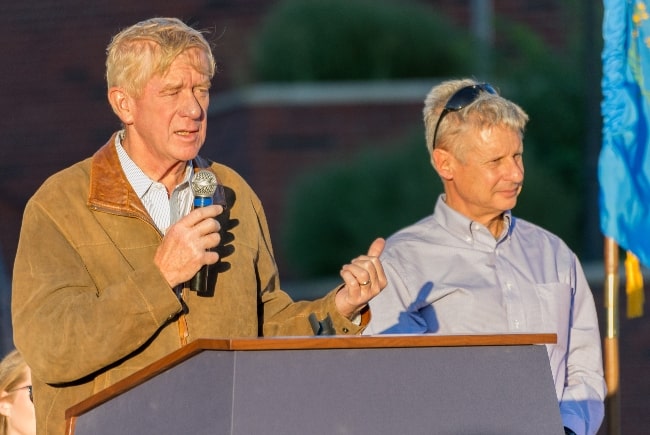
(462,226)
(138,179)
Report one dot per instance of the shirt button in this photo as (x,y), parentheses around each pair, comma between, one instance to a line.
(345,330)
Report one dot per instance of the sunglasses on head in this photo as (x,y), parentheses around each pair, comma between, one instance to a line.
(460,99)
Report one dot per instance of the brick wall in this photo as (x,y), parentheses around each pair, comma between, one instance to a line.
(54,109)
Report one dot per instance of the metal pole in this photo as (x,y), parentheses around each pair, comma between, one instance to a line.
(612,370)
(482,23)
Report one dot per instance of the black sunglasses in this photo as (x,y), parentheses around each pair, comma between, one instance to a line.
(29,388)
(462,98)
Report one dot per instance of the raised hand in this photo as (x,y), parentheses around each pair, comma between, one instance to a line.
(364,278)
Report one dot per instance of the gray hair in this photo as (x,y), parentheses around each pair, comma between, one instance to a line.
(487,110)
(149,47)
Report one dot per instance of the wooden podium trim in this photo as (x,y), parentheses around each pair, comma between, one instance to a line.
(297,343)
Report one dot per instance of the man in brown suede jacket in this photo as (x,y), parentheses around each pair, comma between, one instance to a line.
(107,244)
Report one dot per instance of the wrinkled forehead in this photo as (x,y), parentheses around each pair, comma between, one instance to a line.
(197,58)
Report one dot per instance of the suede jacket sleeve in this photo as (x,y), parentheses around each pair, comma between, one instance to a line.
(82,300)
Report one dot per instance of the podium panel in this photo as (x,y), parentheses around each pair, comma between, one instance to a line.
(457,389)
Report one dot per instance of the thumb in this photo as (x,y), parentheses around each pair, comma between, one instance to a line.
(377,247)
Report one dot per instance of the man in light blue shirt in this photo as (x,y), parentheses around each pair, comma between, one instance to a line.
(473,268)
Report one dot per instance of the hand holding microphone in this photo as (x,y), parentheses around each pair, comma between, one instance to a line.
(188,244)
(204,186)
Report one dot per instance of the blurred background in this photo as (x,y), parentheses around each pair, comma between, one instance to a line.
(318,104)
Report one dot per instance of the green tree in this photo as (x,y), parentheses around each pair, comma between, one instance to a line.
(342,208)
(326,40)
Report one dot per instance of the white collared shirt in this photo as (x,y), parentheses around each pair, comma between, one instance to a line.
(165,210)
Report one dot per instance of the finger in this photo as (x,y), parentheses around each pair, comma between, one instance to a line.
(376,269)
(207,226)
(209,241)
(356,272)
(359,279)
(210,257)
(202,213)
(377,247)
(348,277)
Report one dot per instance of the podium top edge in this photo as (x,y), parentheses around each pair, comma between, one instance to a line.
(375,341)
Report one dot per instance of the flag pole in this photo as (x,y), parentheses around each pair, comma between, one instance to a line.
(612,371)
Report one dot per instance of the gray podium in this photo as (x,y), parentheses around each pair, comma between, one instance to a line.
(425,384)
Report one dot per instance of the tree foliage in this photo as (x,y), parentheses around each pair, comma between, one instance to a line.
(340,209)
(329,40)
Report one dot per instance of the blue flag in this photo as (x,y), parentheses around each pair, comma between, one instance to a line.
(624,163)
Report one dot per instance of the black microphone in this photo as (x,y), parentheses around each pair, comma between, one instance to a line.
(204,184)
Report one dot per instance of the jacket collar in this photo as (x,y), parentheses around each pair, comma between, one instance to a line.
(109,188)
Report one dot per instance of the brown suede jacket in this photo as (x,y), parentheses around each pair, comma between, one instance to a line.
(90,307)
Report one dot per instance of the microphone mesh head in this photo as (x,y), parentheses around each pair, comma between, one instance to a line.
(204,183)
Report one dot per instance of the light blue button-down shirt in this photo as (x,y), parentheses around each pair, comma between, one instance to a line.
(449,275)
(164,209)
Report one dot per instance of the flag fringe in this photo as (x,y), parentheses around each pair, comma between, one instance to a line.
(633,286)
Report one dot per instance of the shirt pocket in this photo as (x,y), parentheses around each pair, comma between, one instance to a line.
(555,300)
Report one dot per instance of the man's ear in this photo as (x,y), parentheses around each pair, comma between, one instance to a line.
(442,161)
(122,104)
(5,406)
